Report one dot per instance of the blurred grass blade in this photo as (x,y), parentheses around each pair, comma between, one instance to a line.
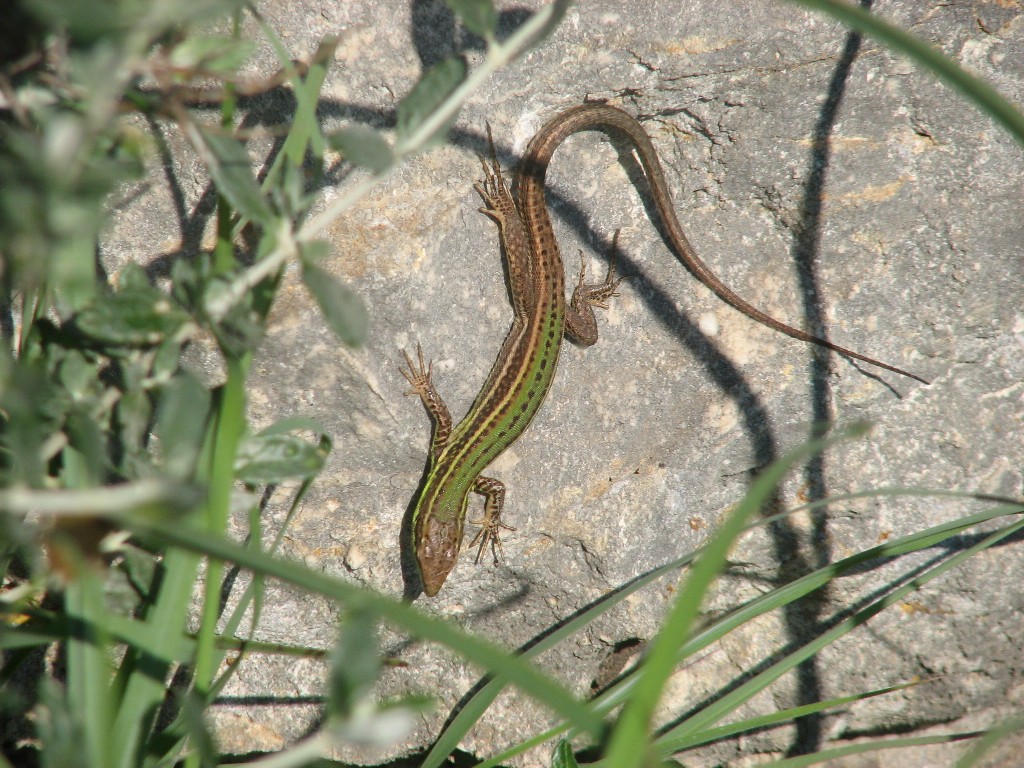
(780,717)
(693,727)
(865,747)
(182,423)
(355,664)
(525,677)
(214,55)
(202,750)
(989,740)
(58,729)
(146,666)
(563,756)
(634,725)
(88,667)
(153,497)
(304,132)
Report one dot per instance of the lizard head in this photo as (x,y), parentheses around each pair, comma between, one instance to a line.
(437,550)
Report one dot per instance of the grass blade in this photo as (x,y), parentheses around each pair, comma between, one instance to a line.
(634,724)
(861,748)
(523,676)
(691,729)
(88,674)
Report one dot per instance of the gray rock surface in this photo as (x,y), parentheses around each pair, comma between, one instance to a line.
(828,183)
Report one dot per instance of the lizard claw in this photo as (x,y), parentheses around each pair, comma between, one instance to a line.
(418,376)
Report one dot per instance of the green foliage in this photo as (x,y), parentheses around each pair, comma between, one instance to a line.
(276,453)
(563,756)
(363,146)
(231,169)
(135,316)
(119,466)
(100,420)
(217,55)
(102,429)
(478,16)
(437,85)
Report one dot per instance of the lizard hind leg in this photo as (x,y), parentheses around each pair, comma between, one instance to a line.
(580,322)
(493,188)
(501,207)
(597,295)
(491,523)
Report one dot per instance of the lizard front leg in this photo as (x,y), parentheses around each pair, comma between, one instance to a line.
(418,377)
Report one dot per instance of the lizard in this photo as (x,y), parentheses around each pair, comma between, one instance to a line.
(525,366)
